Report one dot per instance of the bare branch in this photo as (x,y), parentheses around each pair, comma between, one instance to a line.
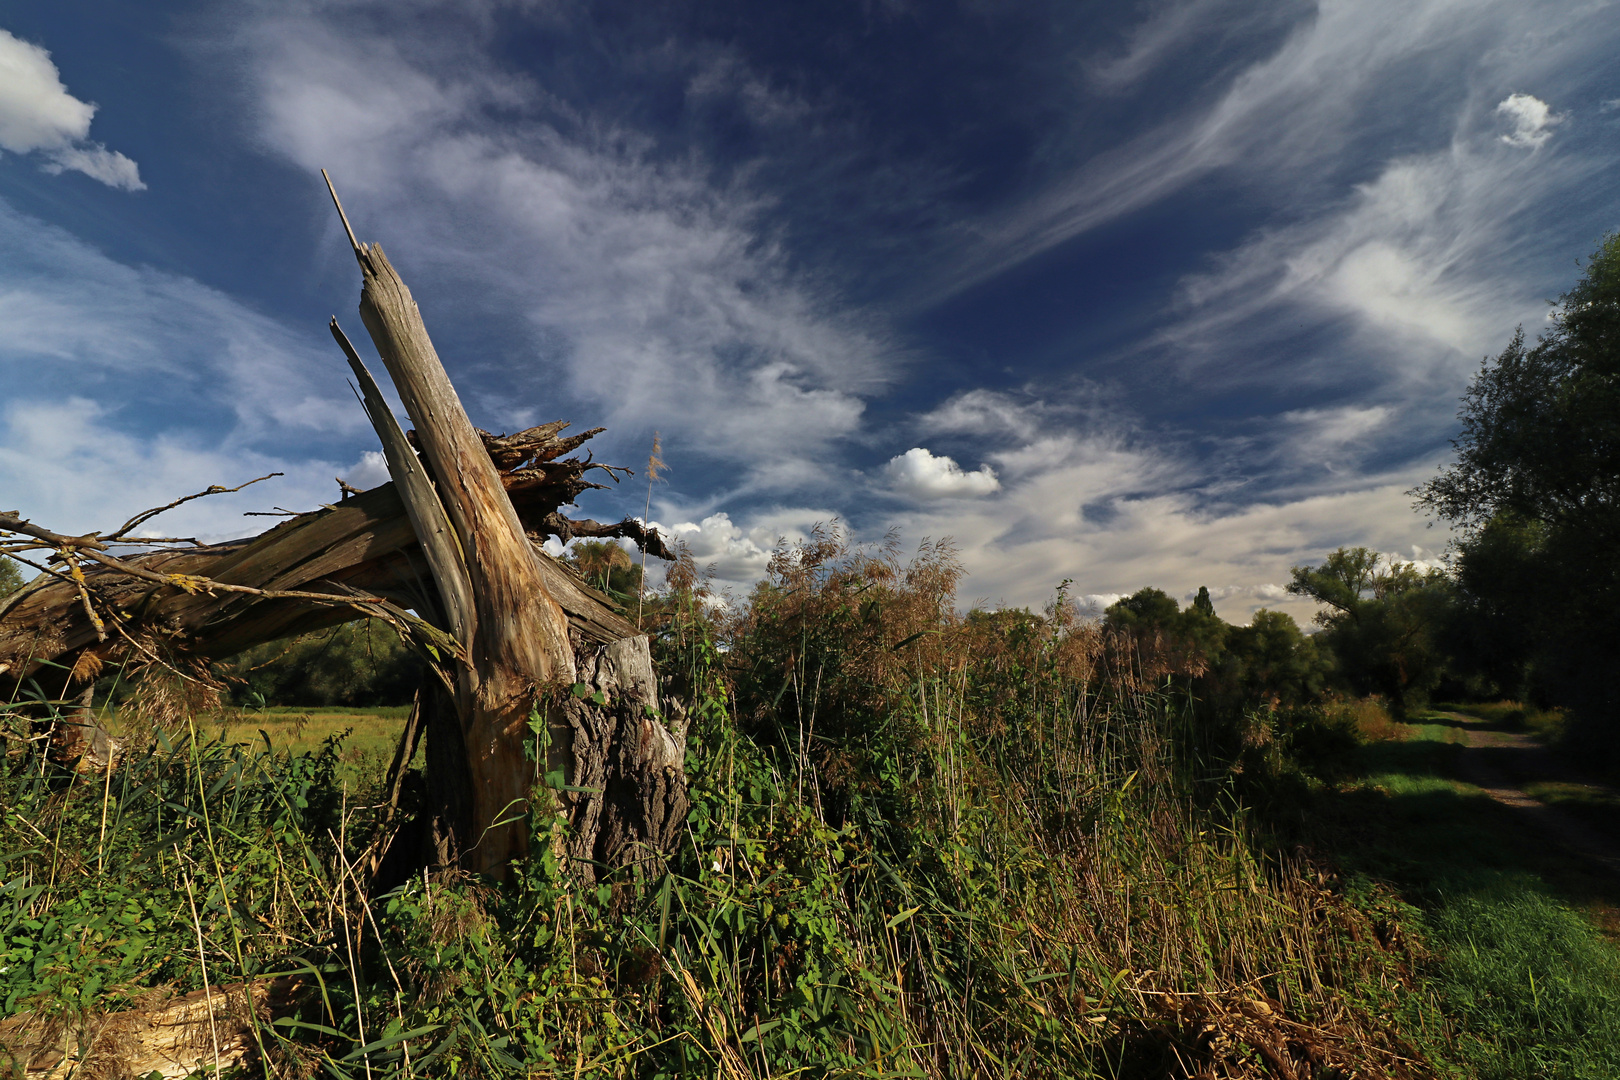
(213,489)
(359,252)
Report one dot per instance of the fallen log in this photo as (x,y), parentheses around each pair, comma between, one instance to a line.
(171,1035)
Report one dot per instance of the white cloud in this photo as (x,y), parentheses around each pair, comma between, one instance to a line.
(369,472)
(1172,27)
(1293,122)
(737,557)
(38,114)
(1335,427)
(1248,598)
(648,289)
(920,474)
(990,413)
(1335,437)
(68,469)
(1532,120)
(163,349)
(1017,555)
(1151,526)
(1417,272)
(98,163)
(1115,514)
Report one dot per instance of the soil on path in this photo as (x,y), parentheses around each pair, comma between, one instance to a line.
(1501,762)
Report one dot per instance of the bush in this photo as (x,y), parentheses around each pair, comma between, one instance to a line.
(11,578)
(360,663)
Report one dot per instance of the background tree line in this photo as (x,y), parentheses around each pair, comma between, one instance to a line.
(1528,604)
(1528,607)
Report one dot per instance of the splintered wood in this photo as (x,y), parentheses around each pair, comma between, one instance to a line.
(168,1034)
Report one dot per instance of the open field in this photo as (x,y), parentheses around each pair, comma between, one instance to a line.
(368,736)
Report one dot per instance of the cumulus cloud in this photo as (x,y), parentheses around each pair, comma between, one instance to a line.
(736,557)
(1531,118)
(1114,512)
(920,474)
(38,114)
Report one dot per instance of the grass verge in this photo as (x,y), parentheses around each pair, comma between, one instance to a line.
(1520,960)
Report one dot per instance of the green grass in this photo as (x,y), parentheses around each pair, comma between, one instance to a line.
(369,735)
(1520,961)
(1547,725)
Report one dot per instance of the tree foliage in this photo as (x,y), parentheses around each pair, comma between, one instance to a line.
(356,664)
(1382,619)
(1540,433)
(1535,490)
(607,566)
(11,578)
(1230,669)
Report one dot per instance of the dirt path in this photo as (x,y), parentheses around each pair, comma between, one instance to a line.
(1501,762)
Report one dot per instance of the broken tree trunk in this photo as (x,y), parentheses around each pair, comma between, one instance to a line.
(515,635)
(454,539)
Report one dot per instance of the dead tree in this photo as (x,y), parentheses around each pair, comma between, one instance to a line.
(449,553)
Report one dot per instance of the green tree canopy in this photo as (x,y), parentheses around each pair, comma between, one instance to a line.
(1383,620)
(360,663)
(1535,491)
(1350,580)
(1272,659)
(1203,604)
(11,578)
(1540,432)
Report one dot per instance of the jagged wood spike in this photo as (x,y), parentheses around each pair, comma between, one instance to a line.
(428,519)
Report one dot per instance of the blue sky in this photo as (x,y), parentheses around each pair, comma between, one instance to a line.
(1176,294)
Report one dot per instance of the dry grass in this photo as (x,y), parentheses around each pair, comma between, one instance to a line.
(1370,718)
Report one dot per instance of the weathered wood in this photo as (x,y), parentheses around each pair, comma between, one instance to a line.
(422,506)
(366,542)
(518,641)
(455,538)
(166,1034)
